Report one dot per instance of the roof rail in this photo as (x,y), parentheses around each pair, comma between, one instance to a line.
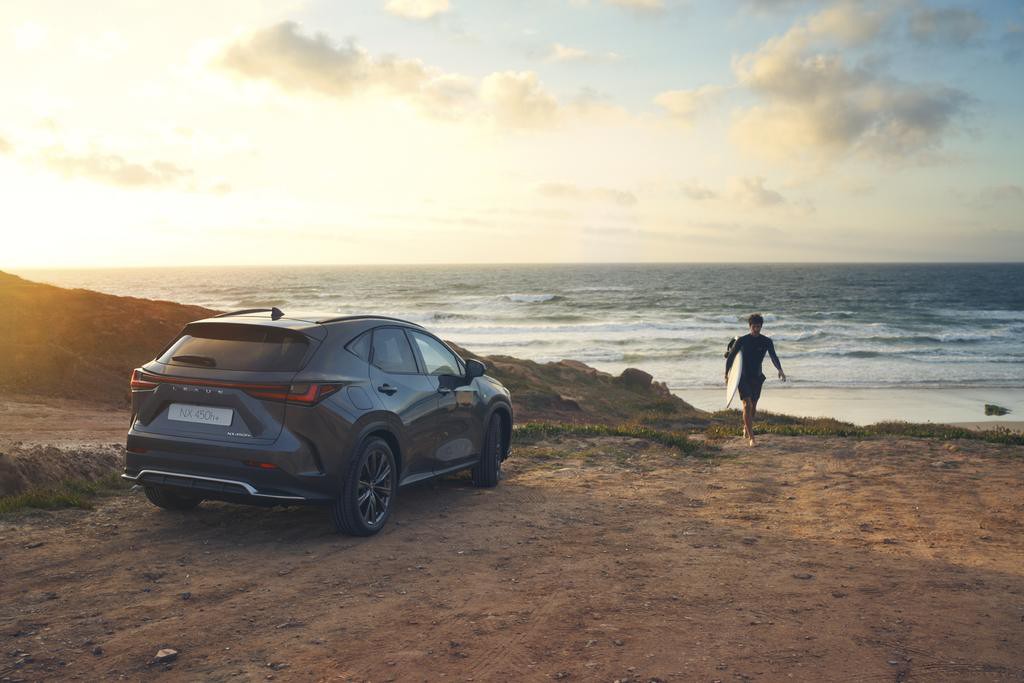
(274,312)
(365,317)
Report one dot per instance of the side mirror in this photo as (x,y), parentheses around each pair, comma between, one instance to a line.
(474,369)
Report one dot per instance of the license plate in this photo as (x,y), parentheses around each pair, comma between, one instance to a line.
(206,415)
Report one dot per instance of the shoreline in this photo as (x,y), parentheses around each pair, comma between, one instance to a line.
(954,406)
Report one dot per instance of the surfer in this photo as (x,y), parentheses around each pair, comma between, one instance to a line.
(753,346)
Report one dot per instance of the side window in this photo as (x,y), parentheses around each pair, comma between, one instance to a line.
(437,359)
(391,351)
(360,346)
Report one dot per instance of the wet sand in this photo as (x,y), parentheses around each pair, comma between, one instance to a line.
(868,406)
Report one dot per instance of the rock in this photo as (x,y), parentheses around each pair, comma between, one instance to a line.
(34,544)
(98,651)
(748,541)
(992,409)
(165,655)
(186,596)
(803,575)
(635,379)
(618,642)
(291,623)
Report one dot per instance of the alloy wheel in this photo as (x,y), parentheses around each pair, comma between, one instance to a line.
(376,486)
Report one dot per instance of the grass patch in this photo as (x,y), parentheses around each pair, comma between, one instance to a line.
(532,431)
(75,493)
(797,426)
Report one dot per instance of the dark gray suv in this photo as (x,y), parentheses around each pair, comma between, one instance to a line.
(257,407)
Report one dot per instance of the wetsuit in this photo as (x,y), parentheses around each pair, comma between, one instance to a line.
(754,349)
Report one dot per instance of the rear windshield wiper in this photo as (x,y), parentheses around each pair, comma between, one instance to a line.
(205,361)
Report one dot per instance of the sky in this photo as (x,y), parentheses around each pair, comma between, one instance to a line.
(146,133)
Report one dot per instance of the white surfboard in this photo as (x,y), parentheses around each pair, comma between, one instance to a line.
(734,379)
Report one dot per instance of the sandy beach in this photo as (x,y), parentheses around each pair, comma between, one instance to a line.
(865,406)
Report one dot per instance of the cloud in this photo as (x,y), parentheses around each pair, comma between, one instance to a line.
(574,192)
(518,100)
(564,53)
(418,10)
(1000,194)
(752,192)
(641,5)
(697,192)
(1013,43)
(5,146)
(947,26)
(816,104)
(769,6)
(283,55)
(115,170)
(686,105)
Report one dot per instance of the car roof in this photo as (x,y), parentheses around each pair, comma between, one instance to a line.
(302,322)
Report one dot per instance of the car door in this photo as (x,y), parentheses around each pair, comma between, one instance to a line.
(458,441)
(408,393)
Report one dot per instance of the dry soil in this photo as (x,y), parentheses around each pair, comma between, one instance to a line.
(594,559)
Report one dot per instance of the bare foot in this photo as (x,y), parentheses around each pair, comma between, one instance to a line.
(751,442)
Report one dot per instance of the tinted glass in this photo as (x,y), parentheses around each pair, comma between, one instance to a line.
(361,346)
(238,347)
(391,350)
(438,359)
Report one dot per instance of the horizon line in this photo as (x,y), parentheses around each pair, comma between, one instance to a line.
(10,269)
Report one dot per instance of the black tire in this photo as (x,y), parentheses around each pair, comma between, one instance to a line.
(368,491)
(487,472)
(171,500)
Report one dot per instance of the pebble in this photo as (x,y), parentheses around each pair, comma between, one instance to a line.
(166,655)
(803,575)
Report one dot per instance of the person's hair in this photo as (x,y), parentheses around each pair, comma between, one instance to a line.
(755,319)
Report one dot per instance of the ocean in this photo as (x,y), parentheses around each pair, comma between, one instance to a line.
(835,326)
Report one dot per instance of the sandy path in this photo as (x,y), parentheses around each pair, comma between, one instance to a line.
(808,558)
(61,422)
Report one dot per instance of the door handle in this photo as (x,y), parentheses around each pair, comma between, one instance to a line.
(387,389)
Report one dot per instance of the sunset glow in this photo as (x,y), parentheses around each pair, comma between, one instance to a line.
(407,131)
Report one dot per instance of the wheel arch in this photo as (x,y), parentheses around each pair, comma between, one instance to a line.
(384,431)
(503,411)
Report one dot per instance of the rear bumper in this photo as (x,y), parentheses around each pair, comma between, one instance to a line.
(207,486)
(219,472)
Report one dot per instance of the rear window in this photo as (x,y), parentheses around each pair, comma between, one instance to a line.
(238,347)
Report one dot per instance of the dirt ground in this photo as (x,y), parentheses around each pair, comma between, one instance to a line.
(36,420)
(594,559)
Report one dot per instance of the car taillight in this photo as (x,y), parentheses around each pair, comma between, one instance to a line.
(141,380)
(301,394)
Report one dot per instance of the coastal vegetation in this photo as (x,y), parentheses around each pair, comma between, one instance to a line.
(728,424)
(71,493)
